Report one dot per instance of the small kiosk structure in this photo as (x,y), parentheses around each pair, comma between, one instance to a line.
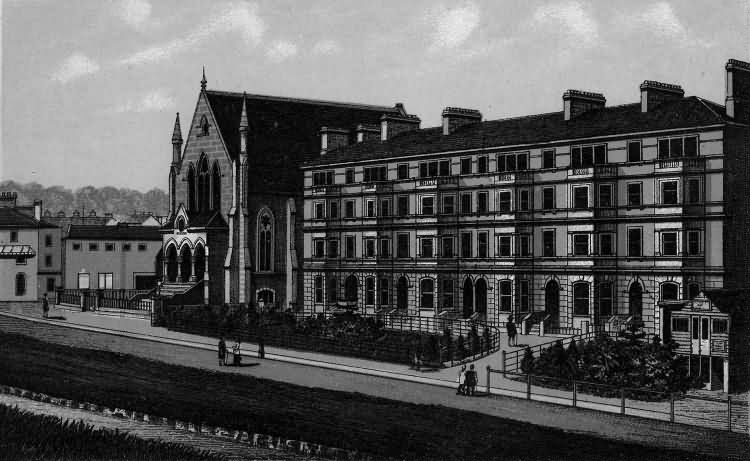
(713,330)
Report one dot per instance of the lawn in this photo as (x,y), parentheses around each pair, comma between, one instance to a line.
(346,420)
(26,436)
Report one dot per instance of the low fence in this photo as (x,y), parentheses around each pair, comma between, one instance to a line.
(512,360)
(87,299)
(729,414)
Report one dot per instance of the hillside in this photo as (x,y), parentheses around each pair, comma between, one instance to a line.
(103,200)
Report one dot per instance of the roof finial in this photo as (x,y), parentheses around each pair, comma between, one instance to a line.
(243,115)
(177,133)
(203,80)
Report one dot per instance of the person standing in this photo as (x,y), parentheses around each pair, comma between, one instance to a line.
(237,358)
(222,351)
(461,380)
(471,380)
(512,332)
(45,306)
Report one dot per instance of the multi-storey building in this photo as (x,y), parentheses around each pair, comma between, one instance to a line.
(236,192)
(588,216)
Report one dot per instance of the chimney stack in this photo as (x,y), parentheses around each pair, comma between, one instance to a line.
(577,102)
(655,93)
(332,138)
(8,199)
(455,117)
(738,90)
(38,210)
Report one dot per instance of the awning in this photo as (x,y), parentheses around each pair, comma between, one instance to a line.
(15,251)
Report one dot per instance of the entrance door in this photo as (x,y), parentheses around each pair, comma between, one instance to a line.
(468,299)
(552,302)
(701,335)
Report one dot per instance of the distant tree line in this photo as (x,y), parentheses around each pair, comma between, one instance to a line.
(102,199)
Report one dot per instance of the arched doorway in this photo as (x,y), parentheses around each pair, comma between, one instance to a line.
(171,263)
(200,262)
(468,298)
(552,302)
(635,300)
(402,293)
(186,264)
(351,287)
(480,295)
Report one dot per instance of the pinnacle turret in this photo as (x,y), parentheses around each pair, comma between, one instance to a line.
(177,133)
(203,80)
(243,117)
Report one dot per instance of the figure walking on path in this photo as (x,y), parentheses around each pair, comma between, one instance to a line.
(511,329)
(222,352)
(461,380)
(45,306)
(237,358)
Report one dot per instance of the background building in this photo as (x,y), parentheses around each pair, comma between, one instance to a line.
(236,190)
(112,256)
(587,216)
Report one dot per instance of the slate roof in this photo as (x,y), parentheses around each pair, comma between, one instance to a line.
(684,113)
(289,122)
(12,218)
(118,232)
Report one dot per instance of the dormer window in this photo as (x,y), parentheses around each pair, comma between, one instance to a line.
(203,125)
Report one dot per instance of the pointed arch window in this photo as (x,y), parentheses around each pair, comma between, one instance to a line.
(203,125)
(203,185)
(265,241)
(191,188)
(216,188)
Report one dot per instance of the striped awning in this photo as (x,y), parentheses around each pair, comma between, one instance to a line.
(14,251)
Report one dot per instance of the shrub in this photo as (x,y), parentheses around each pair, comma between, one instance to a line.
(527,362)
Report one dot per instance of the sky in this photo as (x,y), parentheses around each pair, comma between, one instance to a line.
(90,88)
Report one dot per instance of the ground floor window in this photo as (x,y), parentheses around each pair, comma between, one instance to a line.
(581,298)
(105,280)
(83,281)
(20,284)
(427,289)
(506,295)
(319,289)
(51,284)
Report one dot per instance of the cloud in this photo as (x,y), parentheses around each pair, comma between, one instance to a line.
(569,18)
(75,66)
(661,20)
(240,18)
(326,47)
(281,50)
(135,13)
(452,26)
(153,101)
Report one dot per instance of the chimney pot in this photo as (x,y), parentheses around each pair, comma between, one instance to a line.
(738,90)
(392,125)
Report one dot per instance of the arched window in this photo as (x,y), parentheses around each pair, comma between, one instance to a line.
(216,188)
(581,298)
(635,300)
(200,261)
(670,291)
(332,290)
(203,125)
(180,224)
(203,185)
(427,294)
(186,263)
(191,188)
(171,263)
(265,241)
(20,284)
(351,286)
(402,293)
(370,291)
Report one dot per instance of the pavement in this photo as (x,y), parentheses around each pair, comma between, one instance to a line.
(395,381)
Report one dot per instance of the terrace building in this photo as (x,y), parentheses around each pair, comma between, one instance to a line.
(236,190)
(585,218)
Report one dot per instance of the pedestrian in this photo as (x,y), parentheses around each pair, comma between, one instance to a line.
(222,351)
(236,357)
(471,380)
(461,380)
(45,306)
(511,329)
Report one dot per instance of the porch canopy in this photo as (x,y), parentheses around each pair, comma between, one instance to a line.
(15,251)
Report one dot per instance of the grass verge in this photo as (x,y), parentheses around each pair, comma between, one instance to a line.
(26,436)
